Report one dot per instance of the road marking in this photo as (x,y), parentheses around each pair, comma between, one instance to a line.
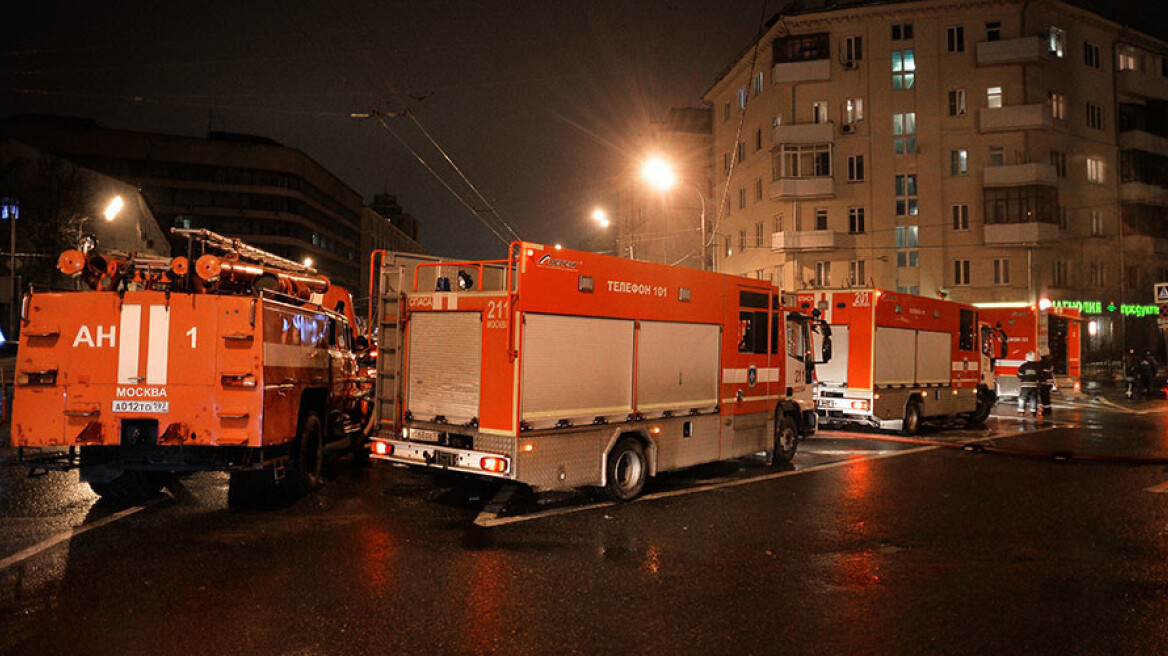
(1158,489)
(21,556)
(490,519)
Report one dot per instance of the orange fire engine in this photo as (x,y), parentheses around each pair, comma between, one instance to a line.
(571,369)
(899,359)
(242,362)
(1053,331)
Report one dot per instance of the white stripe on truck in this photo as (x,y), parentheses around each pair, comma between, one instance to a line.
(128,345)
(158,347)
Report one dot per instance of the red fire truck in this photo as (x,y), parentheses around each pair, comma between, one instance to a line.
(899,359)
(1030,329)
(571,369)
(241,362)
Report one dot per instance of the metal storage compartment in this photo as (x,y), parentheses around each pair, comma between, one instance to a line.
(575,369)
(677,366)
(445,365)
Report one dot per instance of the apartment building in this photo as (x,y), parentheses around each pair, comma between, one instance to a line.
(1001,151)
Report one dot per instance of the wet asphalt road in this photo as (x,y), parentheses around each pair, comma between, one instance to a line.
(864,547)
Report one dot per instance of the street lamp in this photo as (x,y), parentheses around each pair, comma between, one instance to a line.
(308,262)
(114,208)
(601,217)
(659,174)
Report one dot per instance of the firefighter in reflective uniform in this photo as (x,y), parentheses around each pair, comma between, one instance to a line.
(1045,383)
(1028,385)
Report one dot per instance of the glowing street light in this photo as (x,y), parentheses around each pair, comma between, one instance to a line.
(659,174)
(115,206)
(601,217)
(308,261)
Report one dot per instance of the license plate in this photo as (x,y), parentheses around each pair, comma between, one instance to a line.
(141,407)
(418,435)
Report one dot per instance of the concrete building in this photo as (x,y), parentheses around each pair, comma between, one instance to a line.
(385,226)
(1001,151)
(271,196)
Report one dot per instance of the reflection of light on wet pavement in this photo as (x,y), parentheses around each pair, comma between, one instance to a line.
(653,559)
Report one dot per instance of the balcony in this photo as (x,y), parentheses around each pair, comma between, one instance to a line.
(814,70)
(1015,117)
(1024,50)
(1020,234)
(805,240)
(805,133)
(1016,175)
(803,187)
(1142,193)
(1142,85)
(1146,245)
(1145,141)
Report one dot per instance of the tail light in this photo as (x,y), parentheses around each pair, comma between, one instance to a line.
(47,377)
(382,448)
(493,465)
(238,380)
(859,405)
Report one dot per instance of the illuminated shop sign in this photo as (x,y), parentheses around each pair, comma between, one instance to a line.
(1097,307)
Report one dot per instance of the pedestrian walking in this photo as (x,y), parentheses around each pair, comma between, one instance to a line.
(1147,373)
(1028,386)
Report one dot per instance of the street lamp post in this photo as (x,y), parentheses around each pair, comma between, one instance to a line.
(659,173)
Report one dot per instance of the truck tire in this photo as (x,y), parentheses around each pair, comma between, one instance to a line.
(985,405)
(785,440)
(307,457)
(130,486)
(911,425)
(626,470)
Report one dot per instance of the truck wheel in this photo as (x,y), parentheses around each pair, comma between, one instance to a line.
(985,405)
(130,486)
(786,439)
(912,418)
(251,489)
(626,470)
(307,457)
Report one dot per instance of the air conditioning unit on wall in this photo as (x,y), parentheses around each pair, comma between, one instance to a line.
(851,65)
(848,128)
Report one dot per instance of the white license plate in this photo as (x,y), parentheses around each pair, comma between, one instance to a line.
(141,407)
(418,435)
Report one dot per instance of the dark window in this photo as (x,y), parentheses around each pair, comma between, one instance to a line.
(803,47)
(956,37)
(752,299)
(1030,204)
(994,31)
(966,338)
(902,31)
(752,336)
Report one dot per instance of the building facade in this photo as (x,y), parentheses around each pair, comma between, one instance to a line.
(1001,151)
(385,226)
(269,195)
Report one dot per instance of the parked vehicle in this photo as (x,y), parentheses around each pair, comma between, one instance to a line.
(899,360)
(559,368)
(240,361)
(1053,331)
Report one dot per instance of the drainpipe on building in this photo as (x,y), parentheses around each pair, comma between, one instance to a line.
(1119,207)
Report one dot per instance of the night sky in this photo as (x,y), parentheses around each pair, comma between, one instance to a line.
(542,104)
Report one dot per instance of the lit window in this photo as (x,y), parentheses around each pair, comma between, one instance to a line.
(758,84)
(853,110)
(904,66)
(1095,169)
(819,112)
(1056,42)
(904,129)
(907,255)
(994,97)
(958,161)
(1058,104)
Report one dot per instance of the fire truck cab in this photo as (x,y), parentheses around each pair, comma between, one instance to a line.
(571,369)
